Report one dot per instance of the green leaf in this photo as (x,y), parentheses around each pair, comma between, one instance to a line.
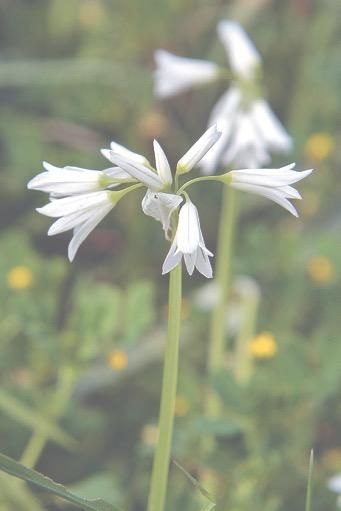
(34,420)
(310,482)
(32,476)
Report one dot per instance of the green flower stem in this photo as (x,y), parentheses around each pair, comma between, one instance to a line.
(227,225)
(158,486)
(39,438)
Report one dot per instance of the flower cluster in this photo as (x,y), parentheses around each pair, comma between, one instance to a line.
(81,198)
(250,130)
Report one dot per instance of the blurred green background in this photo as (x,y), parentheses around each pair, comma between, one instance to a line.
(81,344)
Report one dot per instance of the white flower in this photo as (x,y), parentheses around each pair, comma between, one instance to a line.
(198,150)
(243,55)
(249,133)
(334,484)
(271,183)
(189,243)
(74,180)
(82,213)
(160,206)
(139,168)
(175,74)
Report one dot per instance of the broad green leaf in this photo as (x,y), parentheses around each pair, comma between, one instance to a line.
(21,413)
(32,476)
(310,482)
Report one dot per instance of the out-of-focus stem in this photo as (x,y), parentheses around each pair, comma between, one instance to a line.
(39,438)
(223,272)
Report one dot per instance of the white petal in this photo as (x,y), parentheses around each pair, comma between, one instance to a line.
(118,173)
(74,204)
(188,231)
(198,150)
(172,259)
(190,261)
(65,223)
(162,165)
(203,264)
(226,106)
(270,128)
(138,171)
(123,151)
(269,177)
(160,206)
(66,181)
(273,194)
(82,231)
(334,483)
(243,55)
(175,74)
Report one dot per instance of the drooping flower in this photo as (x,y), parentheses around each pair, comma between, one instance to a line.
(62,182)
(189,244)
(176,74)
(243,56)
(82,213)
(273,184)
(160,206)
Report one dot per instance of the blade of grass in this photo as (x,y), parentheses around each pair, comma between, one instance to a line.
(310,482)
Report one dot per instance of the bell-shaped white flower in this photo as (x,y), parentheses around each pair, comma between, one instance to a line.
(176,74)
(198,150)
(249,133)
(273,184)
(82,213)
(161,206)
(189,244)
(243,56)
(75,180)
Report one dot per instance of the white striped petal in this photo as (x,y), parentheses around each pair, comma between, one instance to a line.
(138,171)
(82,231)
(274,194)
(123,151)
(198,150)
(162,165)
(70,205)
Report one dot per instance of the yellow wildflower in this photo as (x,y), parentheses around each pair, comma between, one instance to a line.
(319,146)
(263,346)
(117,360)
(150,434)
(19,277)
(321,270)
(181,406)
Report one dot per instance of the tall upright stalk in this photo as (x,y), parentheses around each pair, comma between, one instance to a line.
(227,223)
(158,486)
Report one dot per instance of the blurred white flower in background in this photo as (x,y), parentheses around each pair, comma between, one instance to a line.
(334,484)
(250,130)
